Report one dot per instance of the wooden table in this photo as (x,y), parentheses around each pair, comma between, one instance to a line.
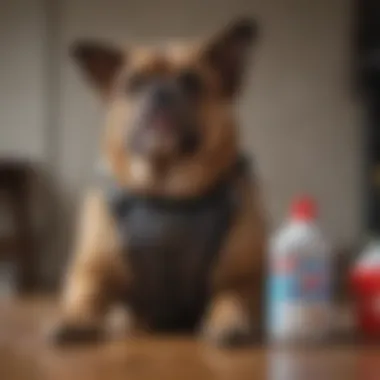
(25,355)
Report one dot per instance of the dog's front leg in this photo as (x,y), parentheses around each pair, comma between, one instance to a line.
(96,275)
(234,315)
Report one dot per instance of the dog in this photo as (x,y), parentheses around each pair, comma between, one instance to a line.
(175,229)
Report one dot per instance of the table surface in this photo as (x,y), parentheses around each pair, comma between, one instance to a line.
(25,354)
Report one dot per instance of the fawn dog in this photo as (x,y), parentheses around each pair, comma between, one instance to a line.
(175,230)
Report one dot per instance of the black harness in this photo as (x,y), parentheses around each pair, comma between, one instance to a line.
(171,245)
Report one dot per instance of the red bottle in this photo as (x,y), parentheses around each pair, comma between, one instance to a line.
(365,282)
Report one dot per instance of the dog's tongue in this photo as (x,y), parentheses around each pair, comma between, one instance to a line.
(162,121)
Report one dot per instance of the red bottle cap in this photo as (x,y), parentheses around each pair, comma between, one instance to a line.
(304,208)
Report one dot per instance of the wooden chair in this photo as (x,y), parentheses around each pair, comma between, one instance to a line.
(18,247)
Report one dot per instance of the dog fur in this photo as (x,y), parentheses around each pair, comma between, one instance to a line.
(98,275)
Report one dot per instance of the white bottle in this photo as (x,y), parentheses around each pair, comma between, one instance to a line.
(299,281)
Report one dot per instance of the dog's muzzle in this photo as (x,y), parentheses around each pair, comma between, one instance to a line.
(165,123)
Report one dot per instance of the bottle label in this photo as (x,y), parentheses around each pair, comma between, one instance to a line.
(313,280)
(282,295)
(298,294)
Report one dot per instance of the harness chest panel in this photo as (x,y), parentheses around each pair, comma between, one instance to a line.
(170,247)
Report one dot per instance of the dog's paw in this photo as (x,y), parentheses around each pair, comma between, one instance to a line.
(228,324)
(228,335)
(65,334)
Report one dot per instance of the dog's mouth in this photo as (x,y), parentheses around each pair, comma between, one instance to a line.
(165,125)
(165,133)
(162,123)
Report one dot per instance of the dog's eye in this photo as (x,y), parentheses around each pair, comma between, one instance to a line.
(135,83)
(191,83)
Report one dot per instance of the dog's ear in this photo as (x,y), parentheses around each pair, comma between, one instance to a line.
(100,62)
(227,53)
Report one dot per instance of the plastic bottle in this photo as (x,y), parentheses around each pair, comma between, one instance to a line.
(299,281)
(365,282)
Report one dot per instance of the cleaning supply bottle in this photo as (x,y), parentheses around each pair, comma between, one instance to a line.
(365,286)
(299,279)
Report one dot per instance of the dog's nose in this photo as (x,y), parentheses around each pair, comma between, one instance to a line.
(163,96)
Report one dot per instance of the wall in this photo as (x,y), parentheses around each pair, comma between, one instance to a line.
(298,116)
(22,80)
